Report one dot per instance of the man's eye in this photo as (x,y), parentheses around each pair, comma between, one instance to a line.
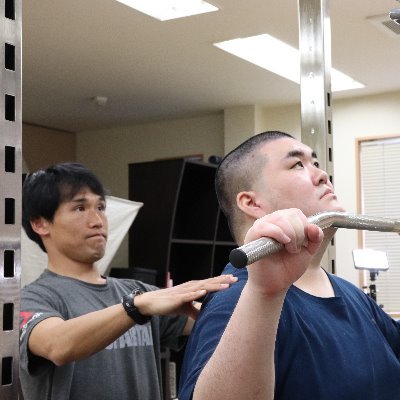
(316,164)
(299,164)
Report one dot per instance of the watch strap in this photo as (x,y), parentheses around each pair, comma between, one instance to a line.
(130,308)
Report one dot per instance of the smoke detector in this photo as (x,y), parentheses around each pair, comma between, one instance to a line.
(385,24)
(100,100)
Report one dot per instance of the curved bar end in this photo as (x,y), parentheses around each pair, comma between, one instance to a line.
(238,258)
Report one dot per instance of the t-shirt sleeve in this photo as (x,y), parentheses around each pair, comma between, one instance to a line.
(387,325)
(206,334)
(35,307)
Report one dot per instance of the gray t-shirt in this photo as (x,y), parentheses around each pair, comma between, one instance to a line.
(129,368)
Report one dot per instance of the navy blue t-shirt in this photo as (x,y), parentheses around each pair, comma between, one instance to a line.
(344,347)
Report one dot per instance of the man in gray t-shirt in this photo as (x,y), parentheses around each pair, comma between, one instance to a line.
(84,336)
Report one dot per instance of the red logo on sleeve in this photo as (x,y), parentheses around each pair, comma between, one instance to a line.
(25,317)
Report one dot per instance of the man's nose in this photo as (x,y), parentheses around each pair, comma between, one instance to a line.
(320,177)
(95,218)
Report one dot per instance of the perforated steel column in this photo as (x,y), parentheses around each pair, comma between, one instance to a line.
(315,66)
(315,72)
(10,195)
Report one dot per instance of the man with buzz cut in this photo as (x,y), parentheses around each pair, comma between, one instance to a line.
(288,330)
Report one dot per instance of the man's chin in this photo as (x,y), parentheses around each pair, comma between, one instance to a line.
(334,205)
(331,208)
(97,256)
(339,208)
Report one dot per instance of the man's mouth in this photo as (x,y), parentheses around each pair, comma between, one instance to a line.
(327,192)
(97,236)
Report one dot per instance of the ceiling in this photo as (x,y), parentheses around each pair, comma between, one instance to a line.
(150,70)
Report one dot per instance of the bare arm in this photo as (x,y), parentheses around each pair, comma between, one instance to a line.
(64,341)
(244,357)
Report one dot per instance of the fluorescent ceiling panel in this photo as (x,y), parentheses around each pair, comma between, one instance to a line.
(170,9)
(278,57)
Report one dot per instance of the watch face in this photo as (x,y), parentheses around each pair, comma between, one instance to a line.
(136,292)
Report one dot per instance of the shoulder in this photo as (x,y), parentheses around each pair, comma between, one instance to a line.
(345,286)
(218,307)
(226,300)
(215,313)
(241,273)
(131,284)
(45,277)
(341,281)
(357,298)
(46,283)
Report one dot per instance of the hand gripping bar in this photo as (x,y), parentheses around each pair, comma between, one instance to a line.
(262,247)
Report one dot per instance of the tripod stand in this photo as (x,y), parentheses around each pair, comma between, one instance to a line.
(372,261)
(372,287)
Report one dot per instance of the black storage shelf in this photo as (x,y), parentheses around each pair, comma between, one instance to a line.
(155,184)
(191,241)
(223,233)
(196,203)
(188,262)
(180,232)
(221,256)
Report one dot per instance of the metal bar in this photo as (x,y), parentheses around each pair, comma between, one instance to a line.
(10,195)
(315,88)
(257,249)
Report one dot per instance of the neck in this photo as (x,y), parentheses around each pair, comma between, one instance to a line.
(328,235)
(86,272)
(315,281)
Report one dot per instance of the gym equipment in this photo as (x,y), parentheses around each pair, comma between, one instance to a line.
(262,247)
(373,261)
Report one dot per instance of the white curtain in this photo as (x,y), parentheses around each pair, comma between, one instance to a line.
(380,195)
(120,214)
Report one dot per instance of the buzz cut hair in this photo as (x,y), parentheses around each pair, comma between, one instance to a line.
(238,171)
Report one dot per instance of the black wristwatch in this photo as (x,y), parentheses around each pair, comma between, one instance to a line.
(128,303)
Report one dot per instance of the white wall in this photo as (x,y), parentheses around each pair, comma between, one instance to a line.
(108,152)
(286,119)
(357,118)
(239,125)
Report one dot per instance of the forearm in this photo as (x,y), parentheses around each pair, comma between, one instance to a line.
(66,341)
(244,358)
(242,366)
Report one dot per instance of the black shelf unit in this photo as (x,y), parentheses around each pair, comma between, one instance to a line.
(180,231)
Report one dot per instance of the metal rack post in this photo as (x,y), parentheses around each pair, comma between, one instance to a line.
(10,198)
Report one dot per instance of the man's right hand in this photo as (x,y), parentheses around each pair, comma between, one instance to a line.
(275,273)
(179,299)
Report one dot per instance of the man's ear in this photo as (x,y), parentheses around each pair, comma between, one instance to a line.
(249,204)
(40,226)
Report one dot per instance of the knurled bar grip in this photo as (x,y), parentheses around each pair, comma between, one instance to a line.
(262,247)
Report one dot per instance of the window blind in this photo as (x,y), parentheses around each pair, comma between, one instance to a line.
(380,196)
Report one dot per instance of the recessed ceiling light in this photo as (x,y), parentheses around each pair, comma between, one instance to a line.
(278,57)
(170,9)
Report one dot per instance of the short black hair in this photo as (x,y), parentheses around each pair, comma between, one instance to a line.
(44,191)
(238,171)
